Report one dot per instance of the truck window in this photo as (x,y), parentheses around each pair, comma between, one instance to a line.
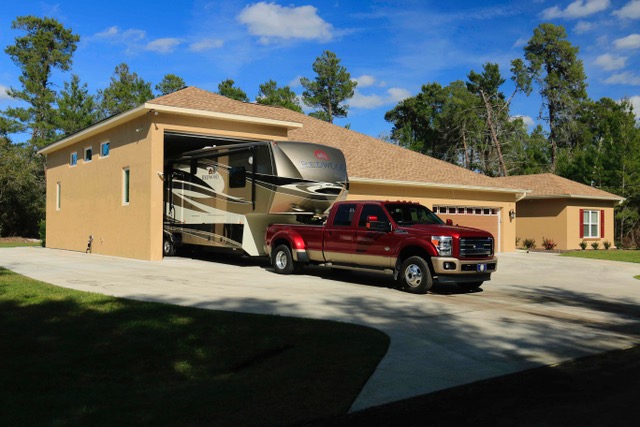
(409,214)
(371,210)
(344,215)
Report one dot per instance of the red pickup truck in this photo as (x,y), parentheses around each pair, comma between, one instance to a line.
(404,237)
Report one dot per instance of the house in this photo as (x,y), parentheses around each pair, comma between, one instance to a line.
(562,210)
(106,181)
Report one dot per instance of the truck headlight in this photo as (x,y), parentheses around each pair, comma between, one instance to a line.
(443,245)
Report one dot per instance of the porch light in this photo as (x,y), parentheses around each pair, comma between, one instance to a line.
(512,214)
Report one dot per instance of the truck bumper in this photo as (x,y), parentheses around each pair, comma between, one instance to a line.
(455,270)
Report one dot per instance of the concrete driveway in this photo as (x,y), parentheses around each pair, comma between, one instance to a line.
(539,309)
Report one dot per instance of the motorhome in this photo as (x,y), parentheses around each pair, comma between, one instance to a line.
(225,196)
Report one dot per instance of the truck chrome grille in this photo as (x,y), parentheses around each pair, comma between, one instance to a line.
(476,247)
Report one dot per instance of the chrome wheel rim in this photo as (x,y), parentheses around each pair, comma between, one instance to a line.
(413,275)
(167,246)
(281,260)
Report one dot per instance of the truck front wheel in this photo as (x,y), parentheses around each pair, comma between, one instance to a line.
(282,261)
(415,275)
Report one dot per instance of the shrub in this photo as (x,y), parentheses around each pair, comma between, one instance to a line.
(548,244)
(595,245)
(583,245)
(607,244)
(529,243)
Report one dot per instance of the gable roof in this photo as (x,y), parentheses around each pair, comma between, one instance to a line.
(550,186)
(369,159)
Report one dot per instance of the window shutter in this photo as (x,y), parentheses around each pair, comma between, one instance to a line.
(581,223)
(602,224)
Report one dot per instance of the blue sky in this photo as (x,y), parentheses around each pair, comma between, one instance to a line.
(390,47)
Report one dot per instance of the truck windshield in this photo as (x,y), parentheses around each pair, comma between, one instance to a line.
(409,214)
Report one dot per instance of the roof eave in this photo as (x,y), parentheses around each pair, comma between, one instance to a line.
(439,185)
(578,196)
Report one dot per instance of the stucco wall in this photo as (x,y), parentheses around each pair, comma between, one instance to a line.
(434,196)
(559,219)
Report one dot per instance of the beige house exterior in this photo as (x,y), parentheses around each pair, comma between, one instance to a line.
(564,211)
(116,195)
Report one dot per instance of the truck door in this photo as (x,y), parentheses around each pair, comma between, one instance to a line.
(339,235)
(371,247)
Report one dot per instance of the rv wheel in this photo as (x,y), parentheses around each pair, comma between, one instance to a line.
(283,262)
(167,247)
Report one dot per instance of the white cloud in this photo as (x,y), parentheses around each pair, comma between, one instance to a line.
(577,9)
(3,93)
(583,27)
(164,45)
(629,11)
(127,36)
(632,41)
(611,62)
(271,21)
(520,42)
(206,44)
(528,120)
(365,80)
(635,101)
(392,96)
(626,78)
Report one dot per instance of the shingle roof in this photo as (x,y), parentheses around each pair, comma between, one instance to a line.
(367,157)
(548,185)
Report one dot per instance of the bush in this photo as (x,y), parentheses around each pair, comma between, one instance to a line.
(548,244)
(529,243)
(583,245)
(42,231)
(607,244)
(595,245)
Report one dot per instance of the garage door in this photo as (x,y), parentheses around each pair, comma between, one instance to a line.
(484,218)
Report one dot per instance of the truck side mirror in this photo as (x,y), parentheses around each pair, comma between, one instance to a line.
(374,225)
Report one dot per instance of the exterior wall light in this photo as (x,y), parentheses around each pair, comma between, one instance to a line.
(512,214)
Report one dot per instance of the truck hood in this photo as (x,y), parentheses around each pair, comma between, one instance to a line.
(444,230)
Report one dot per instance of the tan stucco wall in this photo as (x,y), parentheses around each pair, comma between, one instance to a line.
(559,219)
(91,193)
(434,196)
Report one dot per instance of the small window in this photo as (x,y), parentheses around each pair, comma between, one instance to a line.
(58,195)
(344,215)
(460,211)
(452,210)
(73,159)
(486,211)
(591,223)
(469,211)
(88,154)
(478,211)
(125,186)
(104,149)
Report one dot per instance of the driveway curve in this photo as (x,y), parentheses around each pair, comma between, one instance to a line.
(539,309)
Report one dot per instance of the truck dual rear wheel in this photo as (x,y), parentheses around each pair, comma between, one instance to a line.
(415,275)
(282,261)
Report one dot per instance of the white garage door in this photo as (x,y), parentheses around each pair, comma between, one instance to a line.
(484,218)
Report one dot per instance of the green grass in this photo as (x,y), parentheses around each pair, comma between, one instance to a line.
(18,244)
(611,255)
(70,358)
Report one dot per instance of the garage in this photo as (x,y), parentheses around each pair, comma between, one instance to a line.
(484,218)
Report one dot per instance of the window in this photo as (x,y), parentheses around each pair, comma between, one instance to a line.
(58,195)
(73,159)
(125,186)
(372,210)
(344,215)
(104,149)
(88,154)
(591,224)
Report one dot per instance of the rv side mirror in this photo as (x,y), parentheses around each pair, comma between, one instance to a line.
(449,221)
(237,177)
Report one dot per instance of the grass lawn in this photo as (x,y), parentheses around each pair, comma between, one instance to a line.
(15,244)
(611,255)
(70,358)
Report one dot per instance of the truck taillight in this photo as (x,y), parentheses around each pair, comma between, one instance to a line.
(443,245)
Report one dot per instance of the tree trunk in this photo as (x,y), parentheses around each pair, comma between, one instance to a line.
(494,134)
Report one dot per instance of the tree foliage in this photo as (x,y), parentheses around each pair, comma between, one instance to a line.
(77,109)
(270,94)
(126,91)
(46,46)
(330,88)
(170,83)
(227,88)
